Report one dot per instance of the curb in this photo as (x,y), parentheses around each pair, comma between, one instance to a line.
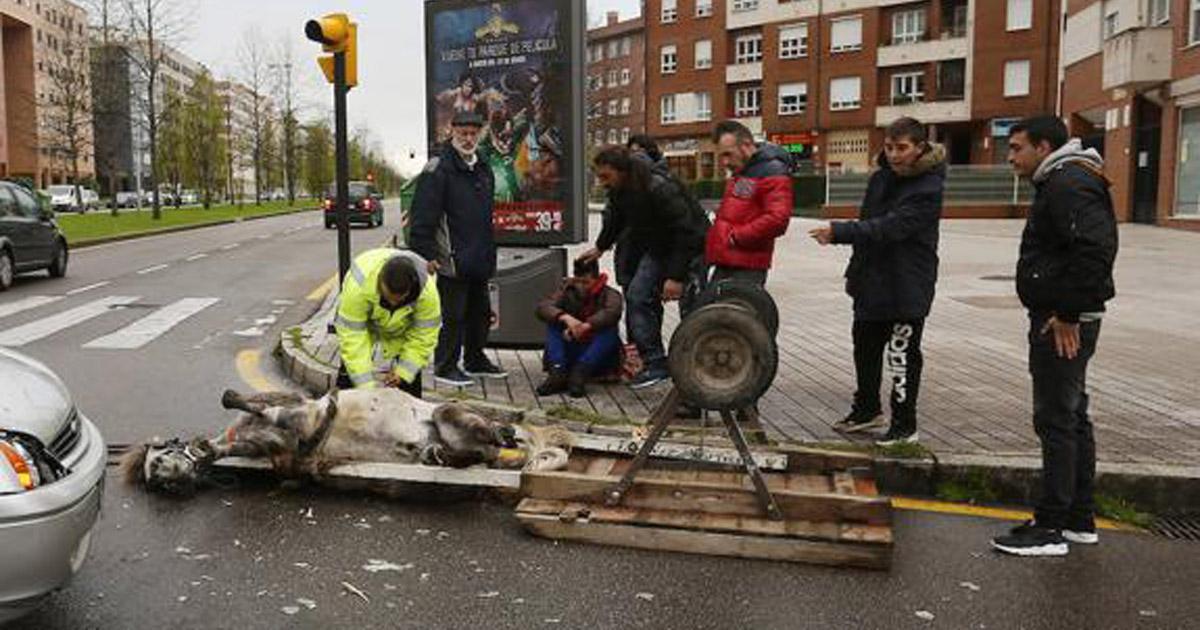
(179,228)
(297,361)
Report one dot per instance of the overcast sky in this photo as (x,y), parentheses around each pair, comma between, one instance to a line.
(390,97)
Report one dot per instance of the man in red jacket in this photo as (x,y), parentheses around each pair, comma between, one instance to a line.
(756,208)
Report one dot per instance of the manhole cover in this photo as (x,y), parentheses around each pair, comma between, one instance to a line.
(995,302)
(1177,527)
(999,278)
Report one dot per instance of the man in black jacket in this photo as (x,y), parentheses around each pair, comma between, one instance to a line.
(452,229)
(891,276)
(1064,277)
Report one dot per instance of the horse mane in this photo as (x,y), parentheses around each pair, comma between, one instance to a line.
(132,464)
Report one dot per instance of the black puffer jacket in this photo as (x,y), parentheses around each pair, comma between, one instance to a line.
(894,268)
(452,216)
(1070,239)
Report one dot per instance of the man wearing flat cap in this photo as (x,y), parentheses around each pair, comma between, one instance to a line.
(451,226)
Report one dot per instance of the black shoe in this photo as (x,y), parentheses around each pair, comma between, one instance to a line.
(1031,540)
(483,368)
(577,382)
(555,383)
(453,377)
(649,377)
(898,435)
(860,421)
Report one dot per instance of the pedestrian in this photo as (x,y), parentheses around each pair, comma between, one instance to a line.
(387,300)
(661,219)
(452,228)
(581,330)
(755,209)
(891,276)
(1064,278)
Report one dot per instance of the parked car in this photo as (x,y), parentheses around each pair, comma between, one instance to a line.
(127,199)
(63,199)
(52,461)
(366,205)
(189,197)
(29,237)
(91,200)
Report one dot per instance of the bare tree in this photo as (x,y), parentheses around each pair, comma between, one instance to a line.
(110,91)
(289,125)
(66,105)
(254,74)
(153,25)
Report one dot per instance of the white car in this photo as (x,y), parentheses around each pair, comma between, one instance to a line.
(52,462)
(63,199)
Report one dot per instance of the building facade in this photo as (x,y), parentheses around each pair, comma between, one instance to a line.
(38,40)
(823,77)
(616,80)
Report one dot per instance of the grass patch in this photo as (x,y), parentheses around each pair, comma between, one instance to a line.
(81,228)
(577,414)
(975,488)
(912,450)
(1119,509)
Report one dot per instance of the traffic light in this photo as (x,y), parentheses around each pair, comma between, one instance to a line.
(336,34)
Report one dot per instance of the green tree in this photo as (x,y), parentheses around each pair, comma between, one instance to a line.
(317,150)
(205,137)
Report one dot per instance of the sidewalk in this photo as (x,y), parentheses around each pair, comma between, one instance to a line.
(975,402)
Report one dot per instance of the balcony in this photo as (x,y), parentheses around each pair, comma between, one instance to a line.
(744,72)
(944,109)
(768,12)
(1137,58)
(954,46)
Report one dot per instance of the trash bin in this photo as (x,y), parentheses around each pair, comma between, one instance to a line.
(523,276)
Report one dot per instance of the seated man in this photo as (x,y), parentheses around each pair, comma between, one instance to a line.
(581,337)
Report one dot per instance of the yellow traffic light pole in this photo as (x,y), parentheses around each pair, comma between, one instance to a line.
(338,35)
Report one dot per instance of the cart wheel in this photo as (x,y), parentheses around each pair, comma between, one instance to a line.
(722,357)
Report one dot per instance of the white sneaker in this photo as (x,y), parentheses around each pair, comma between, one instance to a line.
(1081,537)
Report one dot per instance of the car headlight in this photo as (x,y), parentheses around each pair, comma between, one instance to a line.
(25,463)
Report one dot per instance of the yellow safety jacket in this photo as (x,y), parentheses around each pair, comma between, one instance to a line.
(407,335)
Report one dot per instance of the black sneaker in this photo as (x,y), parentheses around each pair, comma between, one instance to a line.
(555,383)
(1031,540)
(860,421)
(483,368)
(453,377)
(649,377)
(896,435)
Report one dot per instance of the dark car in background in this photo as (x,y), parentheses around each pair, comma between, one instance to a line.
(366,205)
(29,238)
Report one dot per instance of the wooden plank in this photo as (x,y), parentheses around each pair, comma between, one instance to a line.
(417,473)
(675,450)
(814,483)
(843,482)
(711,543)
(728,523)
(807,458)
(648,492)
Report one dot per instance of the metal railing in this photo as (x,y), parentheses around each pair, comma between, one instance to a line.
(966,185)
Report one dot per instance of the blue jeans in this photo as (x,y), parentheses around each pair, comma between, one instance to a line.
(644,306)
(598,354)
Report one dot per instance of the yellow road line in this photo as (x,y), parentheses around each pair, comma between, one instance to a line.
(248,369)
(942,507)
(320,292)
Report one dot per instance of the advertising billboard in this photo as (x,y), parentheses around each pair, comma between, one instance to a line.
(519,65)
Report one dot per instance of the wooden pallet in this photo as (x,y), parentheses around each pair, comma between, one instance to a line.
(832,515)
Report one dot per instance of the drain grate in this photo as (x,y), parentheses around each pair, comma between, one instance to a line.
(1177,527)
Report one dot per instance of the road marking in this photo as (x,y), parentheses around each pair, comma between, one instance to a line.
(32,301)
(247,364)
(153,269)
(230,246)
(1004,514)
(195,257)
(88,288)
(43,328)
(150,327)
(320,292)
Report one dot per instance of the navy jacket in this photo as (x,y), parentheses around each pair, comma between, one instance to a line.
(452,216)
(894,268)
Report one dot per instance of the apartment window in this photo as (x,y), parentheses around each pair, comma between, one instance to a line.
(748,49)
(670,60)
(1016,78)
(1020,15)
(846,34)
(1110,24)
(952,77)
(598,137)
(704,8)
(1194,31)
(793,41)
(626,76)
(908,27)
(612,136)
(845,93)
(625,135)
(599,52)
(626,46)
(747,102)
(1160,12)
(612,78)
(595,83)
(704,54)
(793,98)
(703,106)
(614,49)
(744,5)
(667,109)
(908,87)
(625,106)
(613,104)
(670,11)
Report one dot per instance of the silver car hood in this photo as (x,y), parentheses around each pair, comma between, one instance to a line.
(32,398)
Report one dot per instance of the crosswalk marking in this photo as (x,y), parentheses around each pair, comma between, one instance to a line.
(146,329)
(88,288)
(43,328)
(32,301)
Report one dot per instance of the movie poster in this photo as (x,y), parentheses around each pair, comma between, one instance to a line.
(515,64)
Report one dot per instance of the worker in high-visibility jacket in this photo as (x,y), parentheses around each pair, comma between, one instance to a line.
(387,299)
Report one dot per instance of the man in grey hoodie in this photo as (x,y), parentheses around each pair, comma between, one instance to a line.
(1064,277)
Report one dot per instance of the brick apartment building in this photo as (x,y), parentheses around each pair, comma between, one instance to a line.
(37,36)
(1131,88)
(823,77)
(616,81)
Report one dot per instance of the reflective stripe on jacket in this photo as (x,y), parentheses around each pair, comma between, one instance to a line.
(407,335)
